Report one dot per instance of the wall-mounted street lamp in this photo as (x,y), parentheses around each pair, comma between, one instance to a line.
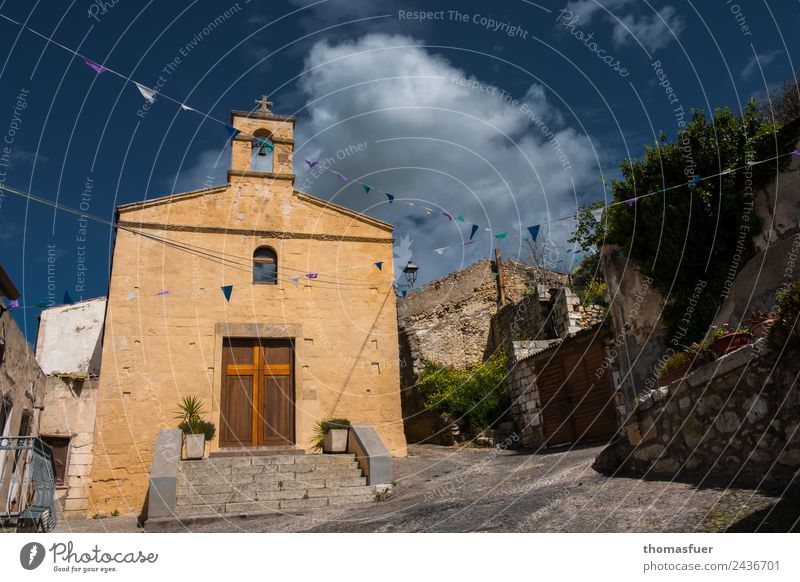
(410,273)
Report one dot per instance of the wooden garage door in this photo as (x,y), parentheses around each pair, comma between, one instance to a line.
(577,404)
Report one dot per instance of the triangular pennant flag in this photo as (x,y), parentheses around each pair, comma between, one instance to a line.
(390,197)
(404,292)
(165,292)
(268,146)
(631,201)
(67,298)
(379,264)
(227,290)
(232,131)
(131,296)
(366,187)
(447,215)
(311,275)
(460,218)
(419,289)
(696,179)
(440,250)
(475,228)
(94,66)
(534,230)
(147,93)
(469,242)
(501,235)
(597,214)
(13,304)
(41,304)
(186,107)
(428,210)
(796,153)
(311,163)
(295,280)
(342,177)
(410,203)
(577,257)
(495,275)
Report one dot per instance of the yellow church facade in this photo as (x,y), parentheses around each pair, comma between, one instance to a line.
(264,302)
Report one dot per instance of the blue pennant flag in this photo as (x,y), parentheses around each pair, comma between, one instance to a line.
(232,131)
(379,264)
(534,230)
(227,290)
(475,228)
(67,298)
(390,197)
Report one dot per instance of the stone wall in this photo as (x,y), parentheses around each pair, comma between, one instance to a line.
(70,413)
(736,418)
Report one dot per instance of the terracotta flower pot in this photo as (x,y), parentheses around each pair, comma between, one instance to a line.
(761,329)
(729,342)
(668,379)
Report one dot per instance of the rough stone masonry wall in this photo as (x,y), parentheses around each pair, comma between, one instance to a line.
(736,418)
(70,412)
(22,383)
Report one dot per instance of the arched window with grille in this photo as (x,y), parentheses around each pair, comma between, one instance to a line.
(265,266)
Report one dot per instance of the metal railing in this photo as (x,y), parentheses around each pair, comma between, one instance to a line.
(27,483)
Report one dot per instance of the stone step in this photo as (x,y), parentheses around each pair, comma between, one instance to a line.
(213,499)
(263,474)
(248,507)
(247,460)
(255,485)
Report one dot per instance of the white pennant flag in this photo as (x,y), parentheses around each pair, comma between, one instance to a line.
(148,94)
(439,251)
(186,107)
(597,213)
(131,296)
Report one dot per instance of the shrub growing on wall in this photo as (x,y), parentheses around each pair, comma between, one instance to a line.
(701,230)
(475,398)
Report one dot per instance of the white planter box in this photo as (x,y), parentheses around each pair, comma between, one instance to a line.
(335,441)
(194,446)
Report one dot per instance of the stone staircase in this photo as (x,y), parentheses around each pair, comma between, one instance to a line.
(231,485)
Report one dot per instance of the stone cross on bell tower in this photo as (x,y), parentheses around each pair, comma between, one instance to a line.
(265,103)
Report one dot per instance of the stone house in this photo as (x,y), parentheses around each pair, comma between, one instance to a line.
(22,389)
(68,348)
(262,301)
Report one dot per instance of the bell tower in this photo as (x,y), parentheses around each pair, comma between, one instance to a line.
(266,125)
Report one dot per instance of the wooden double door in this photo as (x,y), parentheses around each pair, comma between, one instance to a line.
(577,402)
(257,404)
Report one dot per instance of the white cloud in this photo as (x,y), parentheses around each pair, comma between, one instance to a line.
(758,62)
(653,30)
(450,147)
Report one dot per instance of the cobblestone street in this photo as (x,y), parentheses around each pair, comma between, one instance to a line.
(444,489)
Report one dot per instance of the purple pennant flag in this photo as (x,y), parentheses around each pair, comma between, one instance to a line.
(163,293)
(311,275)
(94,66)
(475,228)
(447,215)
(631,201)
(342,177)
(469,242)
(311,163)
(13,304)
(796,153)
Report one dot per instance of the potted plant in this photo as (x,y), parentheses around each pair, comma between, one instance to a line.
(760,322)
(330,436)
(677,366)
(196,431)
(726,340)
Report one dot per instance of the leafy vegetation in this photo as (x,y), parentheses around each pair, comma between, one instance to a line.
(675,362)
(785,331)
(190,411)
(475,397)
(701,230)
(323,426)
(593,292)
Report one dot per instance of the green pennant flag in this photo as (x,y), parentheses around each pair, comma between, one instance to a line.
(41,304)
(501,235)
(366,188)
(460,218)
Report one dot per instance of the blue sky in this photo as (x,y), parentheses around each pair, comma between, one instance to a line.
(507,113)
